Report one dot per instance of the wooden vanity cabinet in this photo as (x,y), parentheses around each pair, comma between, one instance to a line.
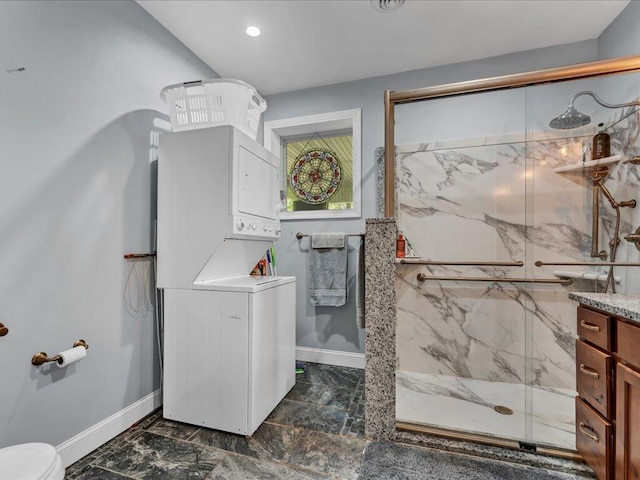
(628,423)
(608,402)
(594,382)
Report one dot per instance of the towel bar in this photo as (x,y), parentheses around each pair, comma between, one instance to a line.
(421,277)
(422,261)
(598,264)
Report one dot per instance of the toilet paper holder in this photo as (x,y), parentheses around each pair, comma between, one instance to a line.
(41,358)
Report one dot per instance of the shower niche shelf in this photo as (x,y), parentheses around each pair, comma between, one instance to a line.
(588,167)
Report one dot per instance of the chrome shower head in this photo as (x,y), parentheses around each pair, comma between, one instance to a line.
(574,119)
(570,119)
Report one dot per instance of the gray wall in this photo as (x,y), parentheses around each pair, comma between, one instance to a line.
(622,37)
(77,192)
(334,328)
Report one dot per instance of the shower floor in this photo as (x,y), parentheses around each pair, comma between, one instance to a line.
(466,404)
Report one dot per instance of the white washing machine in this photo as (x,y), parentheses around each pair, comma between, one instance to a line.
(229,351)
(229,338)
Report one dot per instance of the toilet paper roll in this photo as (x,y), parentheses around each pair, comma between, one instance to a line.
(72,355)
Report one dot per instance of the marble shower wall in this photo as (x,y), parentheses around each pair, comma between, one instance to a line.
(498,199)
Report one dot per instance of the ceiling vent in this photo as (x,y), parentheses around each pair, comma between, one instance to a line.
(386,6)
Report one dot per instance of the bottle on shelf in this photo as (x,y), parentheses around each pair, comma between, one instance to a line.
(400,246)
(601,144)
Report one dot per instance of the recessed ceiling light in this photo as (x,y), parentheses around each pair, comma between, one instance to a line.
(253,31)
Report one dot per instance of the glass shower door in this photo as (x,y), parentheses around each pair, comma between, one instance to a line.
(461,335)
(485,344)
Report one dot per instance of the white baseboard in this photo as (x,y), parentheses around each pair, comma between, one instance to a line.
(87,441)
(330,357)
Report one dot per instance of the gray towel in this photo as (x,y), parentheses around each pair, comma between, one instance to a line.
(328,269)
(360,286)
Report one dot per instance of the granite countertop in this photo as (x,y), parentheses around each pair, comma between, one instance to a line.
(627,306)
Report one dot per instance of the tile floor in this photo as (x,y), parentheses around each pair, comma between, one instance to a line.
(317,432)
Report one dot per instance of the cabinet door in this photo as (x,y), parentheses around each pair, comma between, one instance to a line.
(627,424)
(593,377)
(594,440)
(595,328)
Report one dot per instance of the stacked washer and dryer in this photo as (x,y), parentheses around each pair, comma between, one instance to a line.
(229,338)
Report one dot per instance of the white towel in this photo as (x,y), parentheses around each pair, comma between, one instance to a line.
(328,269)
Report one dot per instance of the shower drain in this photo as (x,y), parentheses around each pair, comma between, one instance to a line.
(503,410)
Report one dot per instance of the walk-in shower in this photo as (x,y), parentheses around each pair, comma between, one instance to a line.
(498,208)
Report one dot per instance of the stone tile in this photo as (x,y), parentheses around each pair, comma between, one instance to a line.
(169,428)
(320,394)
(238,467)
(151,456)
(269,442)
(354,424)
(353,427)
(331,454)
(331,375)
(496,453)
(96,473)
(108,448)
(390,461)
(307,415)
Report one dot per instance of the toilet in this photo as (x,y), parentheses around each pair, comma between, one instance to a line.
(30,461)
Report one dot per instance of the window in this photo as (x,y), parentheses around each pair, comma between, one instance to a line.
(320,164)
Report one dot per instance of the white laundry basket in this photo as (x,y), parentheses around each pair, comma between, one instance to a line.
(210,103)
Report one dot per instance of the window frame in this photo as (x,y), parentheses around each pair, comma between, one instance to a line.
(277,131)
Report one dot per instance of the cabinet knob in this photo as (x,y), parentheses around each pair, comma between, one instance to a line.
(3,330)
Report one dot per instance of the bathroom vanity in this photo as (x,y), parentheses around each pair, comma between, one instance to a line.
(608,384)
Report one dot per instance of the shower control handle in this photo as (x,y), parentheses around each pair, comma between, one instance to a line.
(3,330)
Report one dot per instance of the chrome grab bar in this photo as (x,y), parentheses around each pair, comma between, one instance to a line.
(602,264)
(421,277)
(421,261)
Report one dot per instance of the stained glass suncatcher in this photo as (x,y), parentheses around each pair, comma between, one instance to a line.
(316,175)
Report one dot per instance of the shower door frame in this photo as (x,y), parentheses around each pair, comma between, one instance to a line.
(392,98)
(537,77)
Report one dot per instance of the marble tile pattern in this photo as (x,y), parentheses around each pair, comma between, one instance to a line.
(390,461)
(380,372)
(459,403)
(322,437)
(627,306)
(499,201)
